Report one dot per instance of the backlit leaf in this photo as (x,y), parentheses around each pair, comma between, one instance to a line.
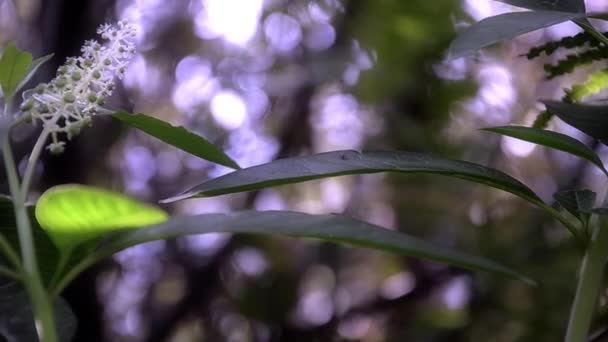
(73,214)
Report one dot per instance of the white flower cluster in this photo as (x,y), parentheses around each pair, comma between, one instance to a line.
(65,104)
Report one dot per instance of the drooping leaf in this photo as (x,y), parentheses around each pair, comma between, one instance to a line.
(14,64)
(579,203)
(32,69)
(178,137)
(589,119)
(338,163)
(553,5)
(551,139)
(17,319)
(333,228)
(503,27)
(72,214)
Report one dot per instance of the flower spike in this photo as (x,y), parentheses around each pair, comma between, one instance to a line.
(67,103)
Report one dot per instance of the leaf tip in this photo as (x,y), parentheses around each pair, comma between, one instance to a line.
(175,198)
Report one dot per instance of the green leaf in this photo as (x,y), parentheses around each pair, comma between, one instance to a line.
(551,139)
(17,320)
(72,214)
(178,137)
(503,27)
(589,119)
(32,69)
(554,5)
(14,64)
(333,228)
(338,163)
(579,203)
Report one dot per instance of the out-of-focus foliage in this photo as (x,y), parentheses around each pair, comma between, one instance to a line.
(408,41)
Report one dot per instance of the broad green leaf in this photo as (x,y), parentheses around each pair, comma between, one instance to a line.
(551,139)
(554,5)
(14,64)
(579,203)
(333,228)
(338,163)
(17,320)
(503,27)
(589,119)
(32,69)
(72,214)
(178,137)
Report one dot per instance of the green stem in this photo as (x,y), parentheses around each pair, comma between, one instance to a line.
(7,107)
(64,257)
(598,15)
(43,313)
(585,25)
(56,288)
(571,228)
(31,162)
(8,273)
(10,253)
(591,276)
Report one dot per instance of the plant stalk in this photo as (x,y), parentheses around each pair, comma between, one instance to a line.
(10,253)
(41,304)
(585,25)
(591,276)
(8,273)
(31,162)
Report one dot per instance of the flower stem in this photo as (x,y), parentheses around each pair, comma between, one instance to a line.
(8,273)
(41,304)
(591,276)
(31,162)
(585,25)
(10,253)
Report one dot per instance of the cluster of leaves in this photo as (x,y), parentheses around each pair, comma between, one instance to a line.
(545,13)
(590,119)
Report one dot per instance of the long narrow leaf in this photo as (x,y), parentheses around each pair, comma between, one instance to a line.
(551,139)
(503,27)
(337,163)
(589,119)
(554,5)
(334,228)
(178,137)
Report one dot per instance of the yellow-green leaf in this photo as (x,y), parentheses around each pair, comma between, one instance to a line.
(72,214)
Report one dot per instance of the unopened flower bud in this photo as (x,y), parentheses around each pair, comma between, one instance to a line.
(27,105)
(76,76)
(57,147)
(69,98)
